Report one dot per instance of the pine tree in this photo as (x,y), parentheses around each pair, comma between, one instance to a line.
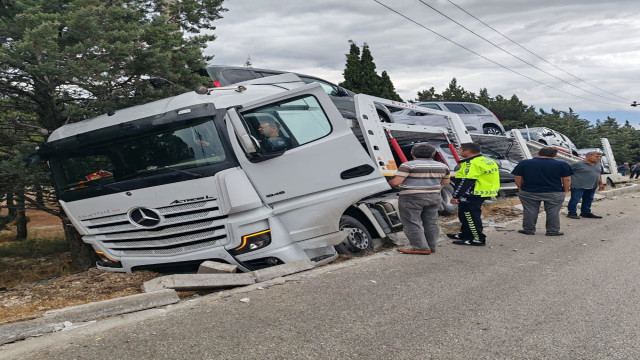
(62,61)
(370,80)
(360,74)
(352,70)
(388,90)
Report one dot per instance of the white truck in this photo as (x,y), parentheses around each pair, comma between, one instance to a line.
(190,178)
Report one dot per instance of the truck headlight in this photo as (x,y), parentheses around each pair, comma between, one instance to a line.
(253,242)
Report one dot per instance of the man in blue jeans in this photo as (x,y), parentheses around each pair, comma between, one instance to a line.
(586,178)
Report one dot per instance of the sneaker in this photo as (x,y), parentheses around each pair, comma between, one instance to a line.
(555,234)
(573,216)
(526,232)
(469,242)
(591,216)
(456,237)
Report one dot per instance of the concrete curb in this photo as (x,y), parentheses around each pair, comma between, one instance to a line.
(212,281)
(194,282)
(59,319)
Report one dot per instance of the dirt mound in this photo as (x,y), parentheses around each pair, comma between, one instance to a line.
(30,300)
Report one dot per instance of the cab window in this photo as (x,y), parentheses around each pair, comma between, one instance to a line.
(328,88)
(288,124)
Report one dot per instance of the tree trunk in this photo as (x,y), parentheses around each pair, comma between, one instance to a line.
(39,195)
(11,205)
(21,217)
(83,256)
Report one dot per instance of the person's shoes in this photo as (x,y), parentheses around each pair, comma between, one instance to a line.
(433,251)
(414,251)
(455,237)
(573,216)
(469,242)
(555,234)
(591,216)
(526,232)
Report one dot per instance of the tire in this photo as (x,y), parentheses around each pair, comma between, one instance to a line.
(492,130)
(383,116)
(542,142)
(446,207)
(358,242)
(610,183)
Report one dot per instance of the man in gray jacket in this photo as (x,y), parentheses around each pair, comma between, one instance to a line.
(586,178)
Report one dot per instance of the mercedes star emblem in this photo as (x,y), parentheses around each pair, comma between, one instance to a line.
(144,217)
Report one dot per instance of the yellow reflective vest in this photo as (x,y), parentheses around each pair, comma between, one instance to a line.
(484,171)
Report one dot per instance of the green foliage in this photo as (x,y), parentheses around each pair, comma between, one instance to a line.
(62,61)
(33,248)
(428,95)
(65,60)
(360,74)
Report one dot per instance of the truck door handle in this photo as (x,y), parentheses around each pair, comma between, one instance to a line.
(362,170)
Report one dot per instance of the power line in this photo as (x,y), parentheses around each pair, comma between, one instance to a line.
(524,61)
(484,57)
(534,54)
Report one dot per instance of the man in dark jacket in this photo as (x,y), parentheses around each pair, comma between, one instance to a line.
(542,180)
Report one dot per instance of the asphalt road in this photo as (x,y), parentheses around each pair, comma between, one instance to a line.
(521,297)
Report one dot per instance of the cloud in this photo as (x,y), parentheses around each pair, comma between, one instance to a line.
(594,40)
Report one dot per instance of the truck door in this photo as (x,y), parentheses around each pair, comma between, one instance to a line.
(303,146)
(320,168)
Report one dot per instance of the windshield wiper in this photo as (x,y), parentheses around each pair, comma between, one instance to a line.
(88,184)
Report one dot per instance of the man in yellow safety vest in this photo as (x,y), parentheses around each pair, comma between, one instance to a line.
(477,179)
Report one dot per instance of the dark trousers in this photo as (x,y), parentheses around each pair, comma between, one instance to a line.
(470,216)
(586,195)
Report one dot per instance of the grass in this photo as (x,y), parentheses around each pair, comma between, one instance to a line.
(33,248)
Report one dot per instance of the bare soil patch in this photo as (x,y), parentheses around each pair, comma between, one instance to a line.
(32,299)
(30,286)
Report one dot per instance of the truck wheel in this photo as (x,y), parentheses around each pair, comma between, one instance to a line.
(358,241)
(446,207)
(542,142)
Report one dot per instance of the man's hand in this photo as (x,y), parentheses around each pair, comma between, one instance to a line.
(600,187)
(454,201)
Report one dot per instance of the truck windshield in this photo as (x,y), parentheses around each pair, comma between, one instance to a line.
(169,150)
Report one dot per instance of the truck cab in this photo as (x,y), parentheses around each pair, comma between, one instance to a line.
(193,178)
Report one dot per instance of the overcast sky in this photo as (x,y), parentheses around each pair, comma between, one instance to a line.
(595,41)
